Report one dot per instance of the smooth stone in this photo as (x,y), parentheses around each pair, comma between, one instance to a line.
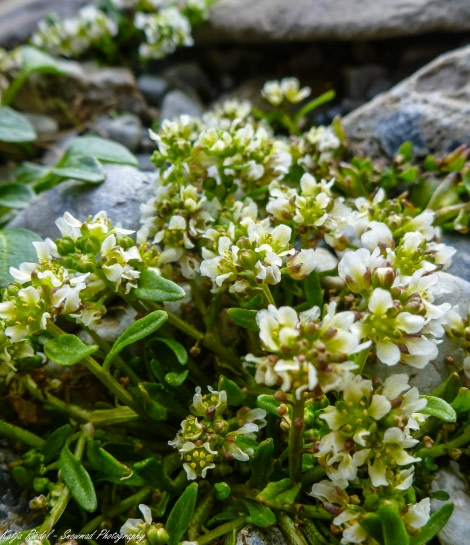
(121,195)
(247,21)
(431,109)
(84,91)
(178,103)
(251,535)
(461,259)
(187,76)
(457,528)
(153,88)
(44,125)
(126,129)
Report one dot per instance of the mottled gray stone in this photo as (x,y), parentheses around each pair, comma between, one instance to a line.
(19,18)
(431,109)
(83,92)
(461,259)
(177,103)
(189,76)
(121,195)
(153,88)
(457,529)
(126,129)
(251,535)
(306,20)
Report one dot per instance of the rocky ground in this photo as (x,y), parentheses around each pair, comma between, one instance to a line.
(400,69)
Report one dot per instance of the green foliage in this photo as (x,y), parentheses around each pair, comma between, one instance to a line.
(16,247)
(15,127)
(68,350)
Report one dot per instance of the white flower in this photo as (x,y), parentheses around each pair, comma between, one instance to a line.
(418,514)
(278,327)
(135,526)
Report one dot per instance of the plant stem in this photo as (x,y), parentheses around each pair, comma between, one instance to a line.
(290,531)
(221,530)
(440,450)
(117,509)
(11,431)
(267,294)
(296,439)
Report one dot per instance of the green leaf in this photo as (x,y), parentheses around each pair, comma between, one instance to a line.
(462,402)
(81,167)
(104,462)
(16,247)
(373,526)
(222,491)
(28,172)
(394,531)
(279,493)
(35,60)
(135,332)
(268,403)
(244,317)
(313,290)
(261,462)
(438,407)
(181,514)
(406,151)
(78,480)
(55,442)
(177,348)
(235,395)
(15,195)
(15,127)
(102,149)
(153,287)
(145,395)
(152,470)
(436,522)
(409,175)
(68,349)
(259,514)
(176,379)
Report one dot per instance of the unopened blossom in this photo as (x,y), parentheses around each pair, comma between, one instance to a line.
(356,268)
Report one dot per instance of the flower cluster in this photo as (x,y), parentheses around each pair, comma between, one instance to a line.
(207,437)
(162,25)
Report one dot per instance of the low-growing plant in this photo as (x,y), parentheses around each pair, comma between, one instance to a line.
(270,285)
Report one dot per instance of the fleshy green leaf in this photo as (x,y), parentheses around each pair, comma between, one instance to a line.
(244,317)
(16,247)
(279,493)
(261,462)
(235,395)
(259,514)
(438,407)
(268,403)
(394,531)
(406,151)
(313,290)
(81,167)
(135,332)
(177,348)
(104,462)
(222,491)
(102,149)
(153,287)
(35,60)
(373,526)
(78,480)
(462,402)
(15,195)
(176,379)
(152,470)
(68,349)
(436,522)
(55,442)
(15,127)
(181,514)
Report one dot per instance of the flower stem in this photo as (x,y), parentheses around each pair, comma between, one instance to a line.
(296,439)
(221,530)
(267,294)
(16,433)
(290,530)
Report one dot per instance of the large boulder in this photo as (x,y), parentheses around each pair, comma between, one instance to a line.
(431,109)
(121,195)
(311,20)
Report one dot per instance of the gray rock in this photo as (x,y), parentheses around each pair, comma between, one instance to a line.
(19,18)
(456,530)
(461,260)
(126,129)
(177,103)
(187,76)
(85,91)
(251,535)
(306,20)
(153,88)
(44,125)
(431,109)
(121,195)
